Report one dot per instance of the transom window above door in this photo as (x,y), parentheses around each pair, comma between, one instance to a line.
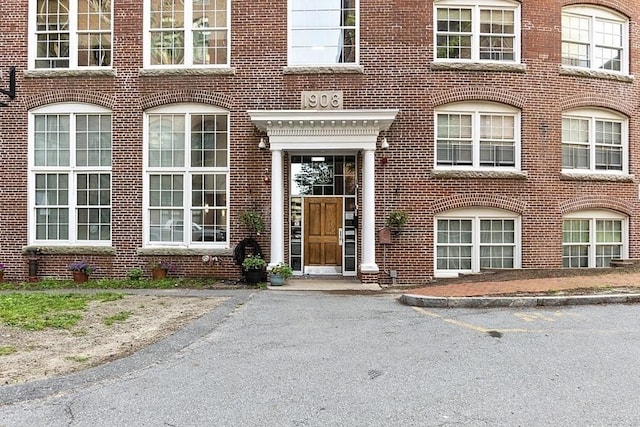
(477,31)
(70,34)
(323,32)
(186,33)
(323,175)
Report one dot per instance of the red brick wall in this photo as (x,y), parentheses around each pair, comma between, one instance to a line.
(396,53)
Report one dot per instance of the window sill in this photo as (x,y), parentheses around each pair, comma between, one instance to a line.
(586,176)
(329,69)
(69,250)
(507,67)
(221,71)
(596,74)
(169,251)
(477,174)
(70,73)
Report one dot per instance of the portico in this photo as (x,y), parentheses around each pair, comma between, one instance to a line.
(315,132)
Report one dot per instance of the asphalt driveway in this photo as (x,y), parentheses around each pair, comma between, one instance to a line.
(308,358)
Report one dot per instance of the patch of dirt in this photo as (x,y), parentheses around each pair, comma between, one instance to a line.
(54,352)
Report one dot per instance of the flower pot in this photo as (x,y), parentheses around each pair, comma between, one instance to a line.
(254,276)
(276,280)
(80,277)
(1,276)
(159,273)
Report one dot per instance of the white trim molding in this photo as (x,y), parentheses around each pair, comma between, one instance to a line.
(327,131)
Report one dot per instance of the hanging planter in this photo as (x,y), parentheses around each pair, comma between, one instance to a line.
(396,220)
(253,221)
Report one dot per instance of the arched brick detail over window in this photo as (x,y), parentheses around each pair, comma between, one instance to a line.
(69,95)
(597,100)
(478,94)
(594,202)
(185,96)
(621,6)
(485,200)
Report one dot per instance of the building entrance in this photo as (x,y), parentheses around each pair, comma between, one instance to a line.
(323,235)
(323,223)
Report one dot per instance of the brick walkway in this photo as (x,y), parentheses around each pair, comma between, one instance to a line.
(622,280)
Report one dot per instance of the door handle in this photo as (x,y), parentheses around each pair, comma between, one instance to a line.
(340,236)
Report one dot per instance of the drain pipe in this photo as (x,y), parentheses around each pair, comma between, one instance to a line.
(393,274)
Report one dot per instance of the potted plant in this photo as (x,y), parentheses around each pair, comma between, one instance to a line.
(253,267)
(253,220)
(81,271)
(160,269)
(397,219)
(3,267)
(280,273)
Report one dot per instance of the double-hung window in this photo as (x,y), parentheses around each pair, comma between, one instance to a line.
(70,34)
(186,176)
(593,238)
(70,175)
(323,32)
(477,136)
(186,33)
(595,38)
(594,141)
(468,240)
(477,31)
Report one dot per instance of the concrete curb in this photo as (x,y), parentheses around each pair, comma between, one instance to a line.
(482,302)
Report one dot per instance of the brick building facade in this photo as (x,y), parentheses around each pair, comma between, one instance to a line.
(505,129)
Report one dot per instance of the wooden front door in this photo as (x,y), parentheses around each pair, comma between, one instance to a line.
(322,226)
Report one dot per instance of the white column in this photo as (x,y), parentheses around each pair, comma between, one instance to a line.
(368,209)
(277,209)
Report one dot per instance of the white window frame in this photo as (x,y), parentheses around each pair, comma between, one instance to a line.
(593,115)
(187,172)
(476,110)
(291,44)
(476,6)
(74,33)
(188,39)
(593,216)
(595,14)
(475,215)
(72,170)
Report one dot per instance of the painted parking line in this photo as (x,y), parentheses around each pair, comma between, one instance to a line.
(530,317)
(552,317)
(490,331)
